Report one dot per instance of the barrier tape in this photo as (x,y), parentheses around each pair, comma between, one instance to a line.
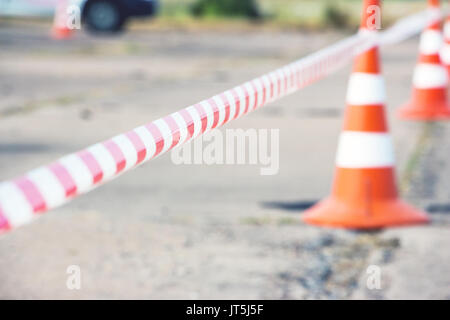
(47,187)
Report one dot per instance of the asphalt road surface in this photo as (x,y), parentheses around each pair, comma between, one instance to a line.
(206,231)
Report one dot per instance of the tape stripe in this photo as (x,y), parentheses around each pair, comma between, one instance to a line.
(280,82)
(117,155)
(51,191)
(202,114)
(32,194)
(148,141)
(209,115)
(104,160)
(260,92)
(273,85)
(64,178)
(182,127)
(227,103)
(198,123)
(157,137)
(79,172)
(251,96)
(215,112)
(4,224)
(247,98)
(285,76)
(242,100)
(256,95)
(138,145)
(221,110)
(92,164)
(293,77)
(166,134)
(174,129)
(189,123)
(290,76)
(126,155)
(265,81)
(237,103)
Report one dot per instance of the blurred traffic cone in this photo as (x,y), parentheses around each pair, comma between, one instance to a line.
(364,194)
(445,51)
(430,80)
(60,29)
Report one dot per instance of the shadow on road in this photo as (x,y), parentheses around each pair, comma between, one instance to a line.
(16,148)
(438,208)
(289,205)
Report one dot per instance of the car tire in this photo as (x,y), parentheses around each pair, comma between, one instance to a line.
(103,16)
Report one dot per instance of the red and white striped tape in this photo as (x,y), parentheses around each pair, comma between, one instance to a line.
(50,186)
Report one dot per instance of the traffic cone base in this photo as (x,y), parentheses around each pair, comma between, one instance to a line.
(334,212)
(412,112)
(373,204)
(60,30)
(61,33)
(429,104)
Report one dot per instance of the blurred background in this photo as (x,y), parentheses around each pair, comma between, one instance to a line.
(307,14)
(192,231)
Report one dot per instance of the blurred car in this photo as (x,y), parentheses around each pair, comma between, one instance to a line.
(111,15)
(96,15)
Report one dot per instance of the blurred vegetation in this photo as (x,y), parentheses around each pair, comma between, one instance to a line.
(305,14)
(226,8)
(336,17)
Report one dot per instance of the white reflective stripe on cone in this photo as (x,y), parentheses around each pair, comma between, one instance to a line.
(366,88)
(445,54)
(447,30)
(430,42)
(427,76)
(358,149)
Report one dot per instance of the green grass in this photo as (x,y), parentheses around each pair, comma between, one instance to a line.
(414,160)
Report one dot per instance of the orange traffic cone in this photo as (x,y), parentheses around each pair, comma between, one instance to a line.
(430,80)
(60,29)
(364,193)
(445,52)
